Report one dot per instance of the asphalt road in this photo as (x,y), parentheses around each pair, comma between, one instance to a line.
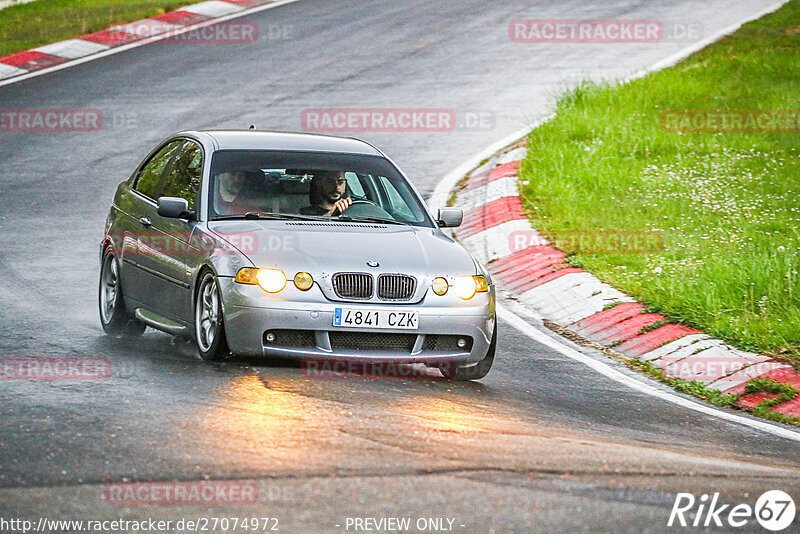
(542,444)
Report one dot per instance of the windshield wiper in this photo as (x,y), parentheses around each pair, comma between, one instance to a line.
(348,218)
(259,215)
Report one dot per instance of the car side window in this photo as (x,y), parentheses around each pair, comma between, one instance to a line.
(183,177)
(150,175)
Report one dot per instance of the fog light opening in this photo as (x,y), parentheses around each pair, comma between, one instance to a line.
(462,343)
(270,337)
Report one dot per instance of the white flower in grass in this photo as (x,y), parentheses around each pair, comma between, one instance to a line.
(762,304)
(657,270)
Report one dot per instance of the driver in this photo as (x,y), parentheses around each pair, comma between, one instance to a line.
(327,194)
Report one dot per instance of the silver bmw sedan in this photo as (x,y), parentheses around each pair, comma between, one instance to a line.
(292,245)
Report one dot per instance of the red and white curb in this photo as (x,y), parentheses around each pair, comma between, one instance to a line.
(145,30)
(538,277)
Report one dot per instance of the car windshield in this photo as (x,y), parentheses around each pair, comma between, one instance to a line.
(311,184)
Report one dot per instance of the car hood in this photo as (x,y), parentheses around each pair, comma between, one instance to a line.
(323,248)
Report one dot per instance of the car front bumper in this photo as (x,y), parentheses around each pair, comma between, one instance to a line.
(248,318)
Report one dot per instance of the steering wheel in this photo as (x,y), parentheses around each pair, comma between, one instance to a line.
(366,208)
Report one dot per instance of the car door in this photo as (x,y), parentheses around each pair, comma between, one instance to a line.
(136,238)
(176,258)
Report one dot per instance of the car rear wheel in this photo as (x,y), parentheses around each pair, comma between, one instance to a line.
(209,326)
(114,317)
(474,372)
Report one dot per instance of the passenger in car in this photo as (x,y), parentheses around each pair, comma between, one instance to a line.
(238,192)
(328,194)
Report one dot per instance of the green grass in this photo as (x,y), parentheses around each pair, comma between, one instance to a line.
(726,203)
(27,26)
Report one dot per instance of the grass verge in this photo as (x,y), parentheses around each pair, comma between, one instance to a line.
(725,203)
(38,23)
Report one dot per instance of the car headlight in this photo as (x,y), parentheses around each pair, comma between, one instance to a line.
(303,281)
(270,280)
(440,285)
(467,286)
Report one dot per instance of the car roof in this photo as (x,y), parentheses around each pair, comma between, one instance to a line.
(266,140)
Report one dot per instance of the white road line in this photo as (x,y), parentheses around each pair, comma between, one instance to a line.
(155,38)
(505,314)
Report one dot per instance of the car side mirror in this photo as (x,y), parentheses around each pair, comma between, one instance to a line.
(173,207)
(449,217)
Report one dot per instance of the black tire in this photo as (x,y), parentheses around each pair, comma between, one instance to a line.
(474,372)
(114,318)
(209,321)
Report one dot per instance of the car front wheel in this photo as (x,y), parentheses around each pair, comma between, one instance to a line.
(209,325)
(114,317)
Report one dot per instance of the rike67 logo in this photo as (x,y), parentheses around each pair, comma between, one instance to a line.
(774,510)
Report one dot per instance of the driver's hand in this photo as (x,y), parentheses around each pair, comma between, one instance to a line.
(342,204)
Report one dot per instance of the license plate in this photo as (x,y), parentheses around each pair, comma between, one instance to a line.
(364,318)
